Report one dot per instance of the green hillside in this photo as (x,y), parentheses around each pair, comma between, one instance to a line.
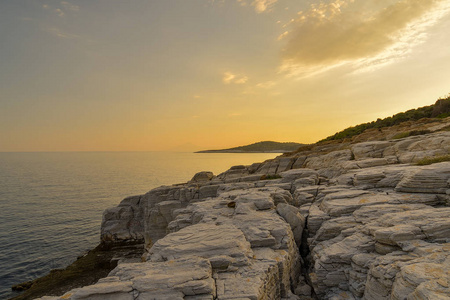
(441,109)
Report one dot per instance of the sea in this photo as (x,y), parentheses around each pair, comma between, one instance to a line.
(51,203)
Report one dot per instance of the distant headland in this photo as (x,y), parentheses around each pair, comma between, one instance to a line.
(260,147)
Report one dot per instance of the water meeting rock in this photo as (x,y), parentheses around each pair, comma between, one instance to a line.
(363,222)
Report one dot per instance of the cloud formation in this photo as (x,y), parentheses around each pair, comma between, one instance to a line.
(259,5)
(283,35)
(69,6)
(354,30)
(229,77)
(59,33)
(64,7)
(263,5)
(266,85)
(59,12)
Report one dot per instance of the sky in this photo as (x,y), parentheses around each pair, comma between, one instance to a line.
(157,75)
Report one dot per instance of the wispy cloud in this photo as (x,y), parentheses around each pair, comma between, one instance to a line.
(263,5)
(283,35)
(59,33)
(69,6)
(241,80)
(259,5)
(63,7)
(59,12)
(229,77)
(266,85)
(413,34)
(363,32)
(60,9)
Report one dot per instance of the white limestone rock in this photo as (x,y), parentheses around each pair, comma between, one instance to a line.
(358,274)
(202,177)
(332,228)
(367,214)
(123,223)
(292,175)
(374,162)
(422,272)
(330,164)
(203,240)
(299,161)
(292,216)
(285,164)
(432,224)
(207,191)
(419,147)
(428,179)
(373,149)
(174,279)
(339,204)
(316,218)
(332,261)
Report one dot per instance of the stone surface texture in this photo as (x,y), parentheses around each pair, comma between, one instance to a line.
(356,221)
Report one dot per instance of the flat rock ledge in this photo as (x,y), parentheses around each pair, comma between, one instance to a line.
(357,223)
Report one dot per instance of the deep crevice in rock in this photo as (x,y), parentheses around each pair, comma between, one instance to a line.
(306,259)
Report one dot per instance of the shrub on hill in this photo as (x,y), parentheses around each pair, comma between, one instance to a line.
(410,133)
(441,108)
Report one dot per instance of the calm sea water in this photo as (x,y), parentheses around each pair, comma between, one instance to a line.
(51,204)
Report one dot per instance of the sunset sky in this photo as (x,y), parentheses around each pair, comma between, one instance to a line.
(145,75)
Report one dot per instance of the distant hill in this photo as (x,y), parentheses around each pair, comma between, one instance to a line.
(260,147)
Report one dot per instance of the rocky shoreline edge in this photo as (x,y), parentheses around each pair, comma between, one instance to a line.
(85,270)
(349,220)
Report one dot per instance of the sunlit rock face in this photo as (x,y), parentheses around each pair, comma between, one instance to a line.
(362,222)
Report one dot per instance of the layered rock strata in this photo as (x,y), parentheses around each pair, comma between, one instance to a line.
(354,222)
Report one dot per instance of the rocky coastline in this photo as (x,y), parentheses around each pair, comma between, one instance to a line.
(358,219)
